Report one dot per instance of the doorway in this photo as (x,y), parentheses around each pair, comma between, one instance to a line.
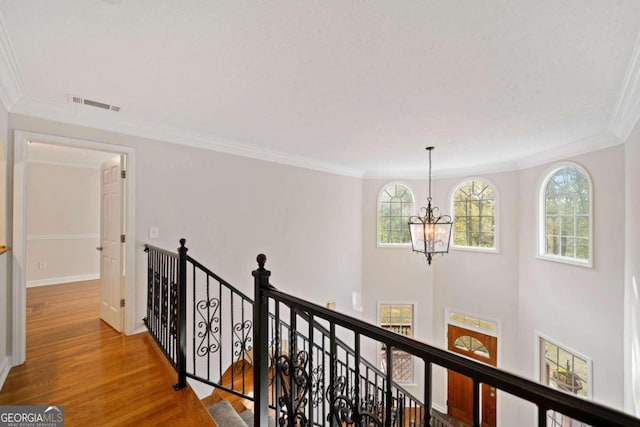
(483,348)
(20,209)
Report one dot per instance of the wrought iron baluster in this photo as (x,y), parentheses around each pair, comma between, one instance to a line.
(182,316)
(311,377)
(542,416)
(357,399)
(388,392)
(427,390)
(194,304)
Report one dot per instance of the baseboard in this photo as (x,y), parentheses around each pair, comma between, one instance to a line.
(5,366)
(61,280)
(439,408)
(139,330)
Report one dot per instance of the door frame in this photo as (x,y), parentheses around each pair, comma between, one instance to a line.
(19,241)
(497,333)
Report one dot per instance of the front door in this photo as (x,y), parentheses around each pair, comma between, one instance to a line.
(483,348)
(111,246)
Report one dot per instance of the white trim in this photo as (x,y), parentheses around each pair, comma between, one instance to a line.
(537,360)
(541,220)
(443,173)
(12,87)
(442,409)
(63,237)
(627,110)
(20,140)
(413,202)
(5,367)
(414,316)
(62,280)
(65,164)
(496,217)
(448,311)
(590,144)
(576,148)
(123,123)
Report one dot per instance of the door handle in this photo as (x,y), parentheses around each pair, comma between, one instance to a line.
(99,248)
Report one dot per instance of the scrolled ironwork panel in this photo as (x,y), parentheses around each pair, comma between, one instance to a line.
(208,326)
(242,340)
(293,402)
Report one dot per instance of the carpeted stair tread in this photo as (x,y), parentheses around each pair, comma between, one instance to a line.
(247,417)
(225,416)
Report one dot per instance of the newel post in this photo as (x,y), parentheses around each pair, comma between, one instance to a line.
(261,344)
(182,317)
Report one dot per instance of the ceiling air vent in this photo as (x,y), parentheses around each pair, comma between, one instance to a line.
(92,103)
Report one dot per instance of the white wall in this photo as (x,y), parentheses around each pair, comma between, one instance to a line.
(578,307)
(394,274)
(63,223)
(483,284)
(231,208)
(5,291)
(632,275)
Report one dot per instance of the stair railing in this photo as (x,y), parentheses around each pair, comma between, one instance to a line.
(307,361)
(191,313)
(186,299)
(296,367)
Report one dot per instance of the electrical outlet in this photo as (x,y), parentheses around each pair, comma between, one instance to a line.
(42,265)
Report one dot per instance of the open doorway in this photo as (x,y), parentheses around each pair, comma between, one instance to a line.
(114,208)
(74,222)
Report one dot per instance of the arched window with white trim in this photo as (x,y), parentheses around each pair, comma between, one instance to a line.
(395,207)
(474,215)
(565,217)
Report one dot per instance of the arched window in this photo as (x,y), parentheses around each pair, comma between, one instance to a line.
(474,215)
(565,215)
(395,207)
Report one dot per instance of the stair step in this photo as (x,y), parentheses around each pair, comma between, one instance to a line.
(247,417)
(225,415)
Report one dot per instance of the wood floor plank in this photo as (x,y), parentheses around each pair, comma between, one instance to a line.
(101,377)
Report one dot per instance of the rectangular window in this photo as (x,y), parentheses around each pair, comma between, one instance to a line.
(565,371)
(399,319)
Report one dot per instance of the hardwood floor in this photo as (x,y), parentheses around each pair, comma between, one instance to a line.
(100,376)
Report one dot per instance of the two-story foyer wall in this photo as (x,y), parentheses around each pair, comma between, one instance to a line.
(579,307)
(63,223)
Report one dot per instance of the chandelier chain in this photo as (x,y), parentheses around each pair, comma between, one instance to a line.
(429,149)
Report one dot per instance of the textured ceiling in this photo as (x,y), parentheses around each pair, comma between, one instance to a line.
(362,85)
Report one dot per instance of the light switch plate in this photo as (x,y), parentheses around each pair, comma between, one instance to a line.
(154,232)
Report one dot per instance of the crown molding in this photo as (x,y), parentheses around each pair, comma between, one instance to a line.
(582,146)
(627,109)
(445,173)
(12,86)
(576,148)
(122,123)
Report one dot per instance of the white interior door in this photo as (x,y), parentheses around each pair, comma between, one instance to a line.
(111,246)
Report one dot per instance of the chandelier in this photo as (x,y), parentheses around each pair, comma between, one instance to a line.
(430,233)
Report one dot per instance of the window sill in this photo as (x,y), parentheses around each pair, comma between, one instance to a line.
(394,245)
(475,249)
(565,260)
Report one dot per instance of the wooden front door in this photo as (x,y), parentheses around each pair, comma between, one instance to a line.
(483,348)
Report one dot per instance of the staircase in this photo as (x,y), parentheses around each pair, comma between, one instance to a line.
(295,363)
